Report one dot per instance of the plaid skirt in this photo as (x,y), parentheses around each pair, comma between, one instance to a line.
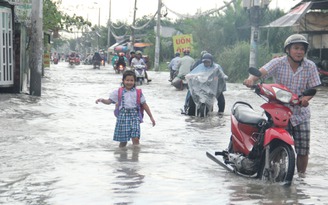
(127,125)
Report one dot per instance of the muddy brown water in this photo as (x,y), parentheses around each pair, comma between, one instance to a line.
(58,149)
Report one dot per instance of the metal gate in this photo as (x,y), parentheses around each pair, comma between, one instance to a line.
(6,47)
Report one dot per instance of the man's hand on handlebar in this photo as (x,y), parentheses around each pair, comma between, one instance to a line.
(248,83)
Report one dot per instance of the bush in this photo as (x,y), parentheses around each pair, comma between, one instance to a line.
(235,60)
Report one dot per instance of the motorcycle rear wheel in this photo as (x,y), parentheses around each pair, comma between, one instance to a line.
(281,165)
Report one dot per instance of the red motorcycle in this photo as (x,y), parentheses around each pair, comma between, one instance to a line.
(260,146)
(55,60)
(323,71)
(71,61)
(119,67)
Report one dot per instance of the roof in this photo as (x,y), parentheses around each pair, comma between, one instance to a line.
(305,17)
(319,4)
(291,18)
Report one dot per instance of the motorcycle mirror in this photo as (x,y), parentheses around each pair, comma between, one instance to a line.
(309,92)
(254,71)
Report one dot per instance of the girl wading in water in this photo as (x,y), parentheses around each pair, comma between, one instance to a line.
(130,103)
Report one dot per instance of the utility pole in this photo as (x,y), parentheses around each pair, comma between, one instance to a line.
(254,18)
(36,47)
(158,36)
(98,30)
(133,24)
(254,7)
(108,26)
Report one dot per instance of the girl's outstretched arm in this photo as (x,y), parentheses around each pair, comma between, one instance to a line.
(147,109)
(105,101)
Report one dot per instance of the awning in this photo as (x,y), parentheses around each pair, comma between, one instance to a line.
(292,17)
(140,45)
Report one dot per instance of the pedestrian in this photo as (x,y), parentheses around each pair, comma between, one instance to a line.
(128,120)
(173,66)
(296,73)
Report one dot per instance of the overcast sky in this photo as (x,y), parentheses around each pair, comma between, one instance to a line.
(123,9)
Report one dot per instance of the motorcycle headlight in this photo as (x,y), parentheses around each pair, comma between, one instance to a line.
(282,95)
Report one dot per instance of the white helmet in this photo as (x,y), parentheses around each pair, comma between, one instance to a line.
(296,38)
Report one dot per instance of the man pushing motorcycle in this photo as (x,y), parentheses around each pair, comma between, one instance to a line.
(296,73)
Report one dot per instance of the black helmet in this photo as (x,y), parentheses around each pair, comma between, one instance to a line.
(296,38)
(177,54)
(207,57)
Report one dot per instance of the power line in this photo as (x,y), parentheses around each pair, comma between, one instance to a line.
(206,13)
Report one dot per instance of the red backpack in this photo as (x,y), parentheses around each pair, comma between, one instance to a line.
(118,104)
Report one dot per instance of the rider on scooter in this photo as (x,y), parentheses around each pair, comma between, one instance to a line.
(121,60)
(215,74)
(184,66)
(297,73)
(137,60)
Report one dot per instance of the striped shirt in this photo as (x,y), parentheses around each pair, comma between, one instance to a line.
(305,77)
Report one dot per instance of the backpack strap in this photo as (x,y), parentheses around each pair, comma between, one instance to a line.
(120,93)
(139,92)
(140,108)
(118,104)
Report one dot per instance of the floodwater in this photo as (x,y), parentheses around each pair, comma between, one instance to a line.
(58,149)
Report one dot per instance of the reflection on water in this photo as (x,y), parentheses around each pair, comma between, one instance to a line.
(127,175)
(58,149)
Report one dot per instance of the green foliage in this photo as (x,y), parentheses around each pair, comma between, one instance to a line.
(55,20)
(51,16)
(225,34)
(235,60)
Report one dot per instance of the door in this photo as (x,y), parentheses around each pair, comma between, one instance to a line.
(6,47)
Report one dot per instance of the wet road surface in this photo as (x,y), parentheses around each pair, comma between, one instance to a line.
(58,149)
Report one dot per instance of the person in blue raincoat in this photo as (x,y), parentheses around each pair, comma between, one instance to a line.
(214,83)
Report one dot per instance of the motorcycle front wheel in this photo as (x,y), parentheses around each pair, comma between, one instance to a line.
(202,111)
(281,164)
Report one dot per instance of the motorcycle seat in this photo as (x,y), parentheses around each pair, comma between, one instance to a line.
(247,115)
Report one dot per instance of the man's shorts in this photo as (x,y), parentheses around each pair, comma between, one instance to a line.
(301,135)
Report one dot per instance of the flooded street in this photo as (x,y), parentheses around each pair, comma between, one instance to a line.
(58,149)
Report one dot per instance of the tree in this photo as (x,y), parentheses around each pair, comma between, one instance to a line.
(54,20)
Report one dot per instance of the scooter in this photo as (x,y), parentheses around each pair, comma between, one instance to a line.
(139,70)
(323,72)
(71,61)
(55,60)
(96,64)
(119,68)
(202,89)
(260,146)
